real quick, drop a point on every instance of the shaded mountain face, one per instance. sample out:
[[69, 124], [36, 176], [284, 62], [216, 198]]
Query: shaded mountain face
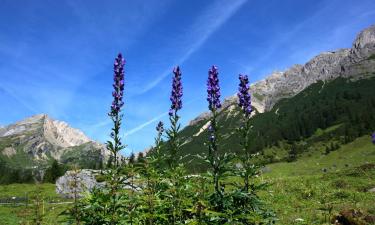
[[332, 88], [39, 139]]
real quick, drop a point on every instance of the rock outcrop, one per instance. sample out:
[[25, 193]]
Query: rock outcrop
[[325, 66], [76, 183]]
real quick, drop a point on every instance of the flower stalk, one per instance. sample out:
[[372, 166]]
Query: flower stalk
[[176, 105], [244, 102], [115, 146], [214, 104]]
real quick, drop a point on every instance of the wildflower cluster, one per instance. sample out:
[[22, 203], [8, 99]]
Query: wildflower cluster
[[156, 189]]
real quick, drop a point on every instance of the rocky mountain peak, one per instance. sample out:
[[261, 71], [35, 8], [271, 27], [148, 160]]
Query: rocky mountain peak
[[33, 119], [57, 132], [325, 66], [40, 138], [364, 44], [366, 38], [61, 134]]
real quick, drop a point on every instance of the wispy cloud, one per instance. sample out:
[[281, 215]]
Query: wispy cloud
[[143, 125], [149, 122], [209, 22], [336, 35], [41, 69]]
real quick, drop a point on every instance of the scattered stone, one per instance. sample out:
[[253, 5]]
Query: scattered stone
[[265, 169], [372, 190], [9, 151]]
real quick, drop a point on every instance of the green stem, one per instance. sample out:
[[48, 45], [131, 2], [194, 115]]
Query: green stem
[[246, 151]]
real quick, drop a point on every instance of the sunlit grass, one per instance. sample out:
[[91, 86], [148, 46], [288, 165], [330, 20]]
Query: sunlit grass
[[302, 193]]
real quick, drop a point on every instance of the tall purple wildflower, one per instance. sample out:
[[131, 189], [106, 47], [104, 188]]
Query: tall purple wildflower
[[213, 89], [215, 159], [172, 132], [244, 98], [373, 138], [176, 93], [118, 85], [160, 127]]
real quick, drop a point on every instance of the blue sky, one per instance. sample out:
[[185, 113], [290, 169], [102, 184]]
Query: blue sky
[[56, 56]]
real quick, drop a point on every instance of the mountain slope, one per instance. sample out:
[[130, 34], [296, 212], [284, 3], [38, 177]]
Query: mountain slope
[[348, 105], [34, 142], [358, 61], [334, 88]]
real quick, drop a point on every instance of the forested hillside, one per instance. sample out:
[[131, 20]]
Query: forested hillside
[[348, 106]]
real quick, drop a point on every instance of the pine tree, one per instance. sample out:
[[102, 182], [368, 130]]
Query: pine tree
[[292, 154], [141, 158], [52, 173], [131, 159]]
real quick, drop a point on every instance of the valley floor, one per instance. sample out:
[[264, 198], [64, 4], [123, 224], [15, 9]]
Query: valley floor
[[310, 190]]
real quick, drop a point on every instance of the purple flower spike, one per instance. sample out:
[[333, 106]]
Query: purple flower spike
[[176, 94], [244, 98], [213, 89], [373, 138], [160, 127], [118, 85]]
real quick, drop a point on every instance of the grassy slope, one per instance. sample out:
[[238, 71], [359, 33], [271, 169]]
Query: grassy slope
[[303, 190]]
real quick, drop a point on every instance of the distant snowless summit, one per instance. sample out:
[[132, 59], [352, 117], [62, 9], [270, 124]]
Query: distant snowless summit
[[58, 132], [40, 138]]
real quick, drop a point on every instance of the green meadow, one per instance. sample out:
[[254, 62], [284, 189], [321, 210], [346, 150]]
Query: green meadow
[[310, 190]]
